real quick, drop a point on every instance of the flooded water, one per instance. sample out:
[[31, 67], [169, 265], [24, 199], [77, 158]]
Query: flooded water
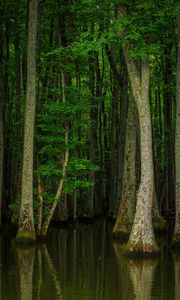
[[84, 263]]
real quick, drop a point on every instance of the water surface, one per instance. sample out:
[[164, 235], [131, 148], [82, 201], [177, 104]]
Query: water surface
[[83, 263]]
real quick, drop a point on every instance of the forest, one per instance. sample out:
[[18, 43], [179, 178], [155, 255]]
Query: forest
[[90, 117]]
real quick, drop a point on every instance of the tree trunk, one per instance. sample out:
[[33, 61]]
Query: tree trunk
[[16, 159], [126, 212], [48, 219], [176, 237], [1, 114], [26, 231], [142, 239], [121, 136], [113, 150]]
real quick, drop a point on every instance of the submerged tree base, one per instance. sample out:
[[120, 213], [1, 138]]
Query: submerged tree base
[[121, 234], [175, 244], [25, 237], [160, 225], [122, 229], [141, 251]]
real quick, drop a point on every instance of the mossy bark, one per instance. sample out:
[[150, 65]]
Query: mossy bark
[[127, 205], [176, 237]]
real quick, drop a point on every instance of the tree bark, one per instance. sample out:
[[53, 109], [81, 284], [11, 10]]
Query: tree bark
[[1, 114], [127, 205], [26, 230], [176, 237], [141, 240]]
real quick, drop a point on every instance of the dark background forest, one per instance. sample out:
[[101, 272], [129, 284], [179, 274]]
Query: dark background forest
[[86, 127]]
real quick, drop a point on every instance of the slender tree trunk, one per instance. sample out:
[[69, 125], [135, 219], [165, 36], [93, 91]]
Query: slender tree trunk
[[16, 159], [58, 195], [26, 230], [89, 213], [63, 208], [1, 114], [127, 205], [168, 132], [176, 237], [121, 137], [113, 151], [98, 191]]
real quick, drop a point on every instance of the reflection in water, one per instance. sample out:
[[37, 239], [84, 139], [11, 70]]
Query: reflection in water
[[141, 273], [26, 266], [26, 260], [0, 267], [52, 271], [124, 276], [83, 263], [176, 258]]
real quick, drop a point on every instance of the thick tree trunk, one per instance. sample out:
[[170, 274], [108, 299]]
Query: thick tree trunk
[[127, 205], [176, 237], [26, 230], [142, 239]]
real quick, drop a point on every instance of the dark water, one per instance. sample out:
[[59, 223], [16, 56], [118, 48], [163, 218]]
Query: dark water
[[84, 264]]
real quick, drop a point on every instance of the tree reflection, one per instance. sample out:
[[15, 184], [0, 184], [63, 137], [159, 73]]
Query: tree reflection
[[0, 267], [26, 266], [35, 264], [138, 275], [52, 271], [142, 275], [125, 280], [176, 257]]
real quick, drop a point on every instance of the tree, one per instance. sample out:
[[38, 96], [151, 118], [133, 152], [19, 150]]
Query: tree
[[26, 230], [1, 113], [141, 238], [176, 237]]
